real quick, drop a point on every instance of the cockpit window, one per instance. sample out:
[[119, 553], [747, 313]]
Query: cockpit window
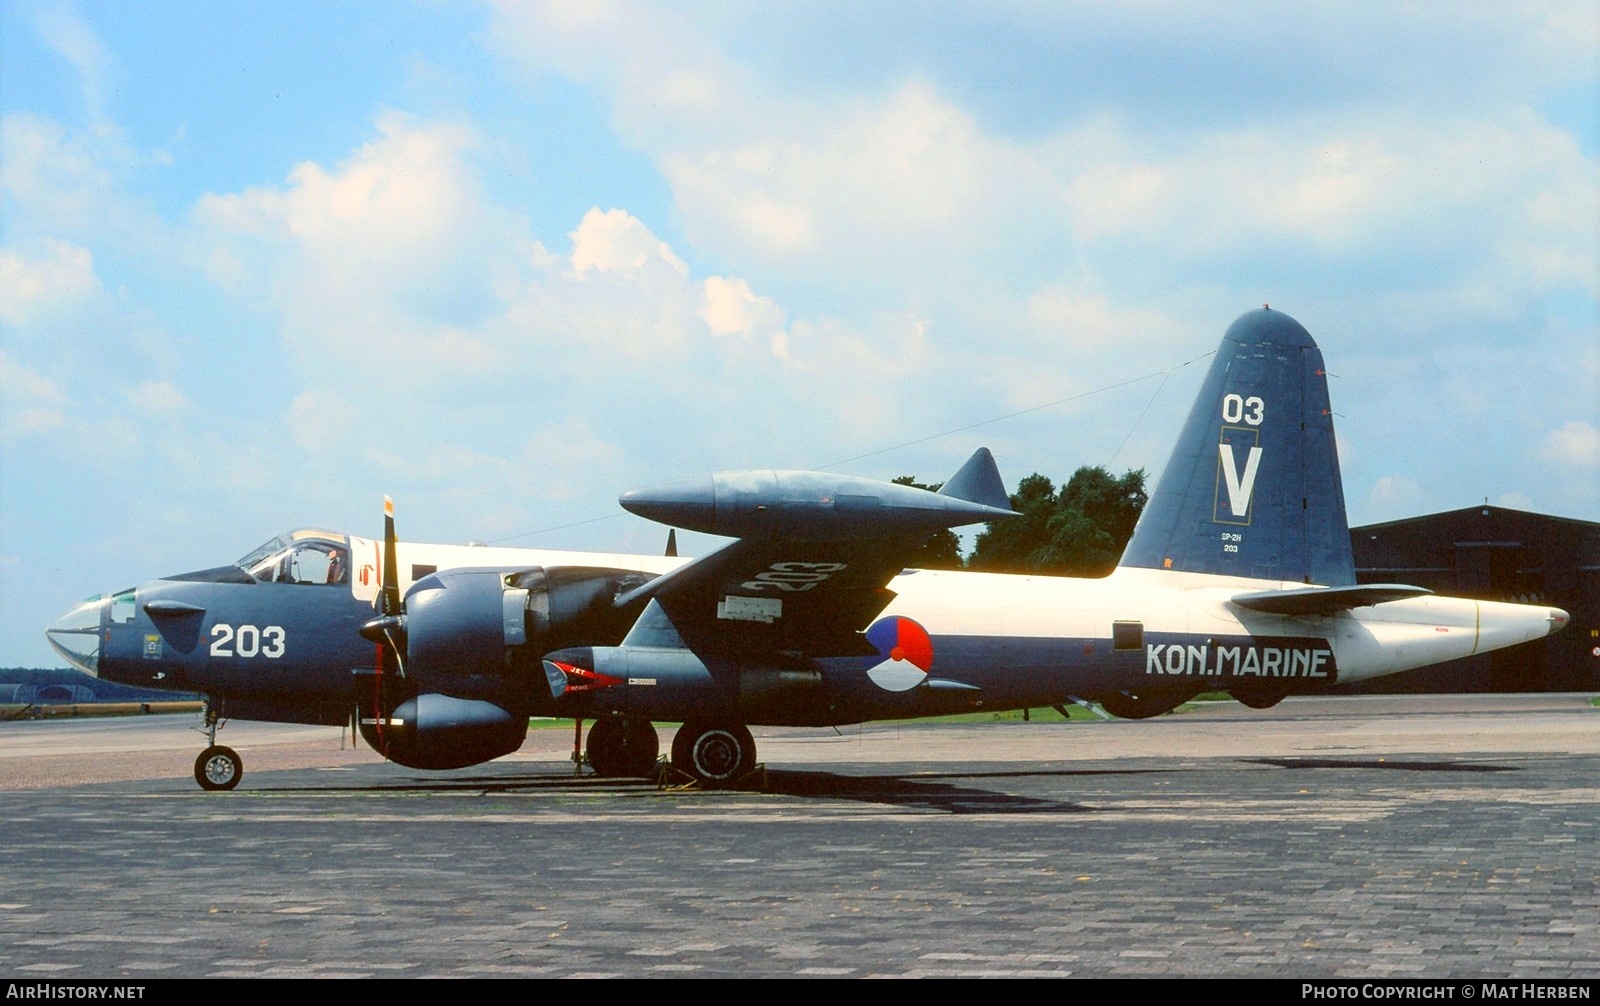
[[300, 557]]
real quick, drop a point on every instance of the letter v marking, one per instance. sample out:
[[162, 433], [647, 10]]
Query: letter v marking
[[1239, 489]]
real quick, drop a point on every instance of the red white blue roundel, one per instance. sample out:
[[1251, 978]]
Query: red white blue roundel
[[906, 651]]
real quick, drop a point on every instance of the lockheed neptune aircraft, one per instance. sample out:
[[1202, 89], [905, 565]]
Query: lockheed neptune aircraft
[[1239, 577]]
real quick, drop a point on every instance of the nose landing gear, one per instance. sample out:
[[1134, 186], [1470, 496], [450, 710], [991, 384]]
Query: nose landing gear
[[218, 767]]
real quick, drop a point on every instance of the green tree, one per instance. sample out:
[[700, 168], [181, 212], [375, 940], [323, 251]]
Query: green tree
[[1010, 546], [943, 549], [1079, 531]]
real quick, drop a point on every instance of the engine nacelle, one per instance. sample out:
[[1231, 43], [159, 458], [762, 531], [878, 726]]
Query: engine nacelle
[[464, 626], [456, 633], [471, 637]]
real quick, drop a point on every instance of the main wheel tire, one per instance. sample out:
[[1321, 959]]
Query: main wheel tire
[[618, 748], [714, 753], [218, 768]]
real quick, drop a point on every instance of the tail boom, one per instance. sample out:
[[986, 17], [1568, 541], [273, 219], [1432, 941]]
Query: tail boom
[[1406, 634]]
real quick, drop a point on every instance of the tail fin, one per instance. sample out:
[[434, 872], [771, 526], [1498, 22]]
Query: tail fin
[[978, 481], [1253, 487]]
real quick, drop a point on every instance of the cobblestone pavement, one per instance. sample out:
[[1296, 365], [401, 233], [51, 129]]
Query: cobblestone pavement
[[1349, 863]]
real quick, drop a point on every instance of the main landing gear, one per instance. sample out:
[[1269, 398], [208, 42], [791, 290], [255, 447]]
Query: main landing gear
[[621, 747], [717, 754], [218, 767], [713, 753]]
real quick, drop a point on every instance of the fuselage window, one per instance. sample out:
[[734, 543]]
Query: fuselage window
[[319, 562], [1127, 635], [301, 562]]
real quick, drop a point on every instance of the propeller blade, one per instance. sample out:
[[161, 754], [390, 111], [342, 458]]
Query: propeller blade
[[390, 623], [389, 687], [391, 574]]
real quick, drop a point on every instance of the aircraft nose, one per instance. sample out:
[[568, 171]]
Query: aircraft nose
[[1558, 619], [75, 634]]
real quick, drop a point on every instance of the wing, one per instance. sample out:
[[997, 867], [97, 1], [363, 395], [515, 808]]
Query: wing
[[803, 599], [813, 563]]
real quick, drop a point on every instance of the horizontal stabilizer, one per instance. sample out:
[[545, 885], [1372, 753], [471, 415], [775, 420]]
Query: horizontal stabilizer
[[1325, 600], [978, 481]]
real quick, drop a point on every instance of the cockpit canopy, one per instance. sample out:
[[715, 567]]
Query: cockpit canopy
[[306, 555]]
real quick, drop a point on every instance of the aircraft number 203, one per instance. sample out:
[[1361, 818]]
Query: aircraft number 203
[[248, 641], [793, 576]]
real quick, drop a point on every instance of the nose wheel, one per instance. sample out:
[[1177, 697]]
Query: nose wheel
[[218, 767]]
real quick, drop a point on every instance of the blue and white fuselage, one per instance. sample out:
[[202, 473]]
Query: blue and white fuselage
[[1239, 577]]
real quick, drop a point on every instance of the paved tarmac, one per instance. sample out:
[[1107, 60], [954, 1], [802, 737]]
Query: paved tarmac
[[1363, 838]]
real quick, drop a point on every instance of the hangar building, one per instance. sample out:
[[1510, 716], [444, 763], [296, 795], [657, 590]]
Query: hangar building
[[1496, 554]]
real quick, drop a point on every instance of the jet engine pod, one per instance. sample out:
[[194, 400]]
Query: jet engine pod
[[434, 731], [642, 682], [802, 506]]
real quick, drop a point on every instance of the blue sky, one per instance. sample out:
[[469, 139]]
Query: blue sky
[[262, 263]]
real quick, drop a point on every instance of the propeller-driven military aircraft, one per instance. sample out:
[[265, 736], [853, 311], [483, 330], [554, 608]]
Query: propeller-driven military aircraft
[[1239, 577]]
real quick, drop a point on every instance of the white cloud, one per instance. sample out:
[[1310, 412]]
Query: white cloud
[[1515, 501], [157, 397], [1575, 445], [71, 36], [60, 181], [564, 458], [1088, 320], [388, 211], [615, 241], [666, 76], [323, 421], [1345, 449], [1111, 198], [370, 263], [29, 402], [56, 275], [893, 182], [1392, 492], [1355, 185], [1054, 250], [732, 308]]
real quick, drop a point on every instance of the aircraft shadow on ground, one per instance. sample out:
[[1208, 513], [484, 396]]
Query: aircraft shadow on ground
[[930, 791], [1382, 763], [946, 792]]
